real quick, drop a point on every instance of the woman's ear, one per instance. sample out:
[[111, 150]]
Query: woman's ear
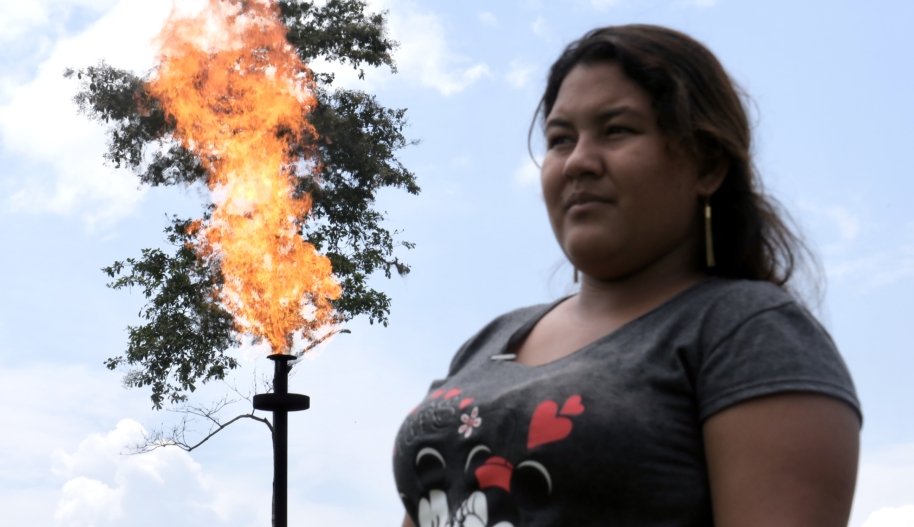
[[713, 176]]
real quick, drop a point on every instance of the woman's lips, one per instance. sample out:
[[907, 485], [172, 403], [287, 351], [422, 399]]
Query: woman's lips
[[585, 206], [582, 202]]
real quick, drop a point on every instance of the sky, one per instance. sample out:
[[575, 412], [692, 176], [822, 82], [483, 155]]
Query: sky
[[833, 117]]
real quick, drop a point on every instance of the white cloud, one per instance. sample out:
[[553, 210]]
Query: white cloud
[[425, 55], [519, 74], [62, 151], [849, 247], [33, 507], [885, 488], [698, 3], [487, 18], [106, 488], [345, 76], [88, 502], [539, 26], [21, 17], [17, 17], [900, 267], [892, 517], [605, 4], [847, 223], [67, 405], [527, 174], [880, 269], [71, 401]]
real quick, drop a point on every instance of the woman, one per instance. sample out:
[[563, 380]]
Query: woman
[[683, 385]]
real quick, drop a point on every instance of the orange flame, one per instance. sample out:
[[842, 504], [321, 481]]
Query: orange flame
[[239, 97]]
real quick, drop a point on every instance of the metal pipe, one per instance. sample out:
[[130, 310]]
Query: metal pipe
[[281, 402], [281, 446]]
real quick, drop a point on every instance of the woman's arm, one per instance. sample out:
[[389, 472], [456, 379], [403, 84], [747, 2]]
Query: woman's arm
[[407, 522], [784, 460]]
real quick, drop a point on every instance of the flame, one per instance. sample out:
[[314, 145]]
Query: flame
[[239, 97]]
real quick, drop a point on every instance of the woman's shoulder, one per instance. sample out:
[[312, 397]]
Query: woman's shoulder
[[755, 339], [724, 303], [715, 309], [743, 295]]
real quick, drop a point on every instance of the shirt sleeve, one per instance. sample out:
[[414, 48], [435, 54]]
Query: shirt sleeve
[[777, 350]]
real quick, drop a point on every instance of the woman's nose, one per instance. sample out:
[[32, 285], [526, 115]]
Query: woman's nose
[[585, 160]]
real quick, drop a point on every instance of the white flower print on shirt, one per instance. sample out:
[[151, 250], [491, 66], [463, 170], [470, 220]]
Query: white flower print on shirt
[[470, 421]]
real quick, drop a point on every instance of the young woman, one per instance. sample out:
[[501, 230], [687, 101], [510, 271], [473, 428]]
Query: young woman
[[683, 385]]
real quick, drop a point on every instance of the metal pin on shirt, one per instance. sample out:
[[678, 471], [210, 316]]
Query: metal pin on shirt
[[504, 356]]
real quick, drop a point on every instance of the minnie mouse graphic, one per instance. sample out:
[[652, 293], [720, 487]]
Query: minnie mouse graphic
[[499, 487]]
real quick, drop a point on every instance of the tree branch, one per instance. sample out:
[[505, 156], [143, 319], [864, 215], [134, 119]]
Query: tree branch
[[317, 342], [177, 434]]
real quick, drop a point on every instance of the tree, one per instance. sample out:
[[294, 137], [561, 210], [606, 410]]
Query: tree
[[187, 335]]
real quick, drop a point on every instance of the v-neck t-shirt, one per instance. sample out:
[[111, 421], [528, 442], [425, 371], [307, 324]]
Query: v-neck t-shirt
[[609, 435]]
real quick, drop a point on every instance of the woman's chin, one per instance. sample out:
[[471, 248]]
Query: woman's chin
[[606, 268], [592, 248]]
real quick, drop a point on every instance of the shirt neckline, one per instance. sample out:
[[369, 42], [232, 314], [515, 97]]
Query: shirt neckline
[[524, 330]]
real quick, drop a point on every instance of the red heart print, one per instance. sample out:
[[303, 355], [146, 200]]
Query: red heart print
[[466, 402], [437, 394], [546, 426], [452, 393], [572, 406]]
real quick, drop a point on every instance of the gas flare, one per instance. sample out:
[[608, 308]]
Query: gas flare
[[239, 96]]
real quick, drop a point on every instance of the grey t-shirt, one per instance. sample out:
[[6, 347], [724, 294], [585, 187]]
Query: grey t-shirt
[[611, 434]]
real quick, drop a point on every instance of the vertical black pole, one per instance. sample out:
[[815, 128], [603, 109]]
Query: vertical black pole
[[281, 447], [281, 402]]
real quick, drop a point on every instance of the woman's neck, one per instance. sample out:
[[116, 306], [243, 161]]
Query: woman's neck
[[632, 295]]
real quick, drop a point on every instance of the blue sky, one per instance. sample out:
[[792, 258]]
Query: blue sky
[[834, 115]]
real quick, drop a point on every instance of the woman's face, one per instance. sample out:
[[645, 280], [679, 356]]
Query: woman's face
[[618, 194]]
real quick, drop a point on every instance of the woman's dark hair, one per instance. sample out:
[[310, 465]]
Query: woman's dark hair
[[700, 108]]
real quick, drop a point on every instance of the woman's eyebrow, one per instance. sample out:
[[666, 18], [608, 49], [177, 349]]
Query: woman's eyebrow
[[612, 113], [607, 115], [558, 123]]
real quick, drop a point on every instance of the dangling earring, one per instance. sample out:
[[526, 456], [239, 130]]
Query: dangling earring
[[709, 236], [575, 275]]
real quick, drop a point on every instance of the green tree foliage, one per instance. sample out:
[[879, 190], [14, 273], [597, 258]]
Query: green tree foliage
[[187, 333]]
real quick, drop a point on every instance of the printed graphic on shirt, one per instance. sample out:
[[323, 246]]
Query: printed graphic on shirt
[[499, 488]]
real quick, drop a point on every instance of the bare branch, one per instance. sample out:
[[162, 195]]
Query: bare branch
[[317, 342], [234, 388], [266, 382], [176, 434], [209, 413]]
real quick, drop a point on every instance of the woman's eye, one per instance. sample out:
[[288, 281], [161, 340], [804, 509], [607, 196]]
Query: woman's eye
[[615, 130], [558, 140]]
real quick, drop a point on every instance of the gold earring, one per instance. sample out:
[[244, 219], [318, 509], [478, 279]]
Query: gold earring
[[709, 236], [575, 275]]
